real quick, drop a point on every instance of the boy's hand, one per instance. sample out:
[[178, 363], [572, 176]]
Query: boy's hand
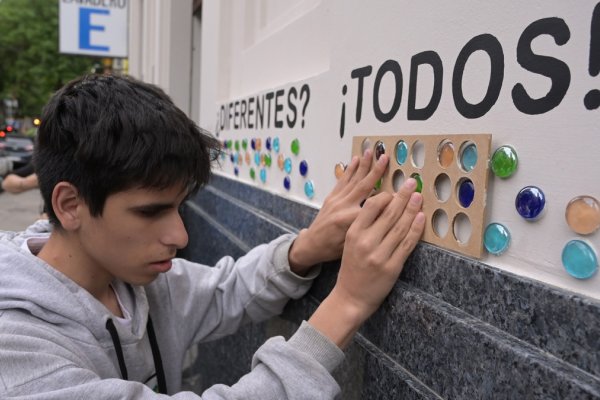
[[324, 238], [377, 244]]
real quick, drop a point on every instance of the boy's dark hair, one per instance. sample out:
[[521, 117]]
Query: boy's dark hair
[[105, 134]]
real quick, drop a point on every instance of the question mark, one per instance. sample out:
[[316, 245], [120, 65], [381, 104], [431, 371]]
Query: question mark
[[305, 89]]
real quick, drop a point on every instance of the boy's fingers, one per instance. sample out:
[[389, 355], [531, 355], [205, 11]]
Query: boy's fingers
[[363, 187], [401, 226], [408, 244], [371, 209], [392, 213]]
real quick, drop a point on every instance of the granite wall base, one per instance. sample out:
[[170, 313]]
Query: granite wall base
[[451, 328]]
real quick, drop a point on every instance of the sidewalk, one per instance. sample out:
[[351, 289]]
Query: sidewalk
[[18, 211]]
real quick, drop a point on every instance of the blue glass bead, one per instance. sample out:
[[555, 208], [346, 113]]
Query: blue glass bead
[[276, 144], [530, 202], [309, 189], [268, 143], [232, 158], [225, 144], [287, 165], [253, 144], [579, 259], [263, 175], [287, 183], [466, 193], [236, 171], [401, 152], [468, 157], [496, 238], [257, 158], [303, 167]]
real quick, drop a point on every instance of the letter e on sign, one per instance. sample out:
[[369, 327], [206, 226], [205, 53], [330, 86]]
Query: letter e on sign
[[96, 28]]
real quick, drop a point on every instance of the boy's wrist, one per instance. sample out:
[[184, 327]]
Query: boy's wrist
[[301, 254], [338, 319]]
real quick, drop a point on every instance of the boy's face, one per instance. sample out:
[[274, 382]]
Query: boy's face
[[137, 234]]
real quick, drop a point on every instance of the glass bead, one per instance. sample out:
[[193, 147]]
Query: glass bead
[[496, 238], [287, 165], [287, 184], [236, 171], [230, 144], [237, 145], [446, 153], [268, 160], [295, 147], [245, 144], [263, 175], [258, 144], [468, 156], [417, 177], [466, 192], [268, 143], [579, 259], [224, 144], [276, 144], [303, 167], [280, 161], [253, 144], [231, 158], [378, 184], [252, 173], [247, 158], [583, 215], [257, 158], [339, 170], [530, 202], [309, 189], [379, 149], [240, 159], [504, 161], [401, 152]]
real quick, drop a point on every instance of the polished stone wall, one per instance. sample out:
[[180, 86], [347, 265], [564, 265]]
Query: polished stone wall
[[451, 328]]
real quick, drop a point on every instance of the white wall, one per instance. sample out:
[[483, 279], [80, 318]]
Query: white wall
[[252, 48]]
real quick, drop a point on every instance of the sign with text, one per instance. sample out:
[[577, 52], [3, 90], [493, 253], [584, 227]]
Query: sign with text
[[94, 27]]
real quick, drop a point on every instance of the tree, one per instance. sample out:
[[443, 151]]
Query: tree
[[31, 68]]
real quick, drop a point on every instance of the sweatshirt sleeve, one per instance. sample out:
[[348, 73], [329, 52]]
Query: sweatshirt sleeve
[[211, 302], [299, 368]]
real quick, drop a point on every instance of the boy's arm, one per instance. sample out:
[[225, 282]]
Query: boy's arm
[[377, 245]]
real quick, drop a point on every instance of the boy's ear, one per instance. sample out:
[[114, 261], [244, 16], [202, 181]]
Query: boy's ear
[[66, 205]]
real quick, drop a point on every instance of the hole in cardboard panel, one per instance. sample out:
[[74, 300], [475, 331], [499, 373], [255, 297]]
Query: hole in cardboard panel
[[397, 179], [443, 187], [418, 154], [366, 144], [440, 223], [461, 227]]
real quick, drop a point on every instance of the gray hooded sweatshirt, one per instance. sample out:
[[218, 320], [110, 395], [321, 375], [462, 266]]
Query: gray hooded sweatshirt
[[58, 342]]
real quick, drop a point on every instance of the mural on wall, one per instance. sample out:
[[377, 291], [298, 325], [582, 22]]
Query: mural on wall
[[294, 140]]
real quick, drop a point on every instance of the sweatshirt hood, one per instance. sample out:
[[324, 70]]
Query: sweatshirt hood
[[30, 285]]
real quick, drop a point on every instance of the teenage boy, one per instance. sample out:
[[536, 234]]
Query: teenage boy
[[99, 308]]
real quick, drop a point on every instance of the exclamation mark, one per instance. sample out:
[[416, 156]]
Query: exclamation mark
[[343, 118], [592, 98]]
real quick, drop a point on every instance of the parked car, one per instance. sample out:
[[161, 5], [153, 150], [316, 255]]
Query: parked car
[[18, 149]]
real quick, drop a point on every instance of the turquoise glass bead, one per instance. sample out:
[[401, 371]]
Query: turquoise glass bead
[[263, 175], [468, 157], [496, 238], [276, 144], [287, 165], [401, 152], [579, 259], [309, 189]]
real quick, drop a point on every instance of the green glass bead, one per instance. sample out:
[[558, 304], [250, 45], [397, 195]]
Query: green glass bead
[[268, 159], [252, 173], [417, 177], [504, 161], [245, 144], [295, 146], [237, 145]]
